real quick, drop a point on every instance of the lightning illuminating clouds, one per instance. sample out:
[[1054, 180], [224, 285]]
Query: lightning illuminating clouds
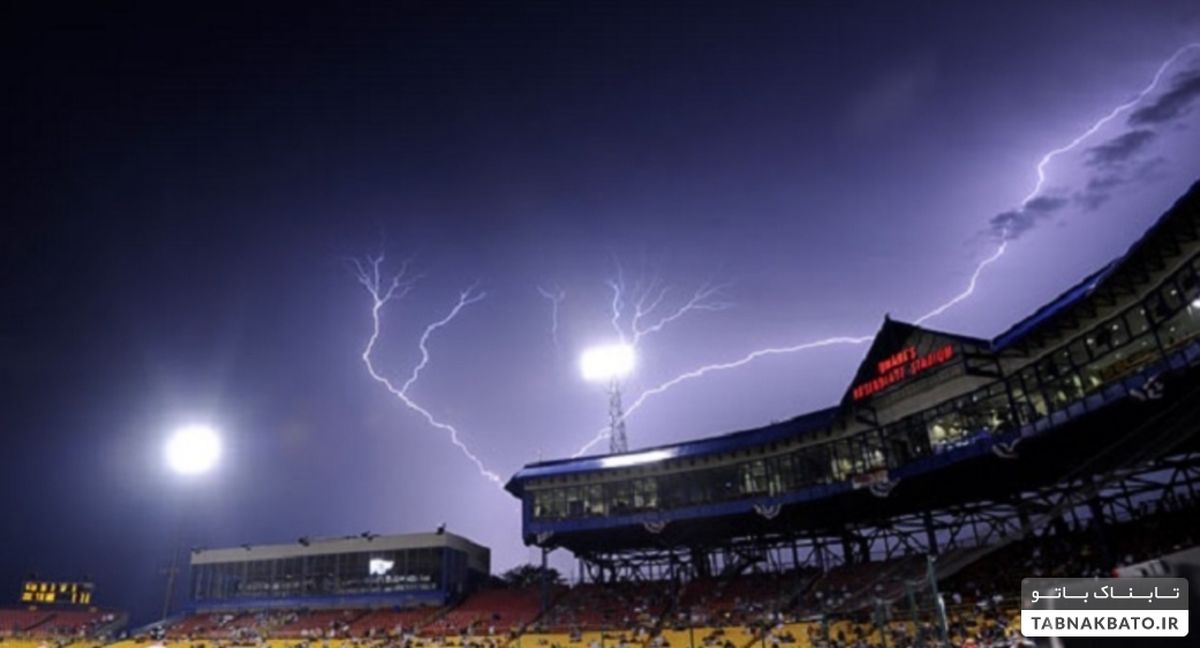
[[1013, 223], [1006, 227]]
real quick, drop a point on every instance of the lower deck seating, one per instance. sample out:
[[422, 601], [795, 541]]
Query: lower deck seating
[[17, 620], [384, 621], [490, 611]]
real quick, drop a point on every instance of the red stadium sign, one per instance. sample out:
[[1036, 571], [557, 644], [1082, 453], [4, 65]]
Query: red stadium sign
[[900, 366]]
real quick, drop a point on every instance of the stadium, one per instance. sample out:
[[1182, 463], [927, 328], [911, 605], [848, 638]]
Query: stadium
[[906, 514]]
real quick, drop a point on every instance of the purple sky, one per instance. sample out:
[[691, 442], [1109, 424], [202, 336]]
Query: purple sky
[[183, 189]]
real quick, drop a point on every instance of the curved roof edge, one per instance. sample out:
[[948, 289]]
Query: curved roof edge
[[1094, 281], [821, 418], [708, 445]]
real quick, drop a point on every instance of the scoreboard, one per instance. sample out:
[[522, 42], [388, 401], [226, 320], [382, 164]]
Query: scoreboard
[[57, 593]]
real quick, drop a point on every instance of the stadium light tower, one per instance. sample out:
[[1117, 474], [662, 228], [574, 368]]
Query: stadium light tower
[[190, 451], [610, 364]]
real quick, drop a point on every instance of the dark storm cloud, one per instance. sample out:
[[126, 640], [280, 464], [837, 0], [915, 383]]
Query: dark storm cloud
[[1012, 224], [1116, 164], [1119, 149], [1045, 204], [1099, 189], [1104, 183], [1172, 104], [1115, 161]]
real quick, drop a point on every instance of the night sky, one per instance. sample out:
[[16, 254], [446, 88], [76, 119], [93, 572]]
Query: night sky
[[184, 183]]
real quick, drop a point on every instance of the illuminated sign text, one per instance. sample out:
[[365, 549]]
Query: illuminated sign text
[[899, 366]]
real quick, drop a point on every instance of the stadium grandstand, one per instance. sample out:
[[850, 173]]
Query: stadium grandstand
[[59, 613], [398, 570], [905, 515]]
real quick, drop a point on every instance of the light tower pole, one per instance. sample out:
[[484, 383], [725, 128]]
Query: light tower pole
[[609, 364], [191, 451], [617, 441]]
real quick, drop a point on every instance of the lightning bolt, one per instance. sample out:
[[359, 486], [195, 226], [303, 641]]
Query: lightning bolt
[[382, 291], [1041, 173], [648, 298], [970, 289], [953, 301], [648, 318], [1113, 114], [555, 297], [720, 366]]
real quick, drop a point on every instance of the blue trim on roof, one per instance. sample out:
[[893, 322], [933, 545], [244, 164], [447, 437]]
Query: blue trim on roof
[[703, 511], [1091, 282], [789, 429], [979, 444], [1059, 304]]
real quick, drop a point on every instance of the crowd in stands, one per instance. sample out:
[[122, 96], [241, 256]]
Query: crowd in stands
[[743, 600], [595, 606], [489, 612], [850, 606]]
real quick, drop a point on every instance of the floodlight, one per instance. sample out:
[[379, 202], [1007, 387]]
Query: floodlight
[[193, 449], [607, 362]]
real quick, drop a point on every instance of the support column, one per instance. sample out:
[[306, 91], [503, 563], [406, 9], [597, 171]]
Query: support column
[[545, 593], [931, 540], [848, 548]]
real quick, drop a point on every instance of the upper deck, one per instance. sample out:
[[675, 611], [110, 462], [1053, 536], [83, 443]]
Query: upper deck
[[921, 402]]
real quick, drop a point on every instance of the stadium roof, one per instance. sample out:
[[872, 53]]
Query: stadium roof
[[1104, 278], [1056, 306], [788, 429], [1097, 280], [341, 545], [891, 336]]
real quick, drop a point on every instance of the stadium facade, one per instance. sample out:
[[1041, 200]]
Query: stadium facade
[[942, 441], [366, 570]]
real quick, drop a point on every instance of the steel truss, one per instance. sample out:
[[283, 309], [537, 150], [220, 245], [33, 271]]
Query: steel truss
[[1105, 499]]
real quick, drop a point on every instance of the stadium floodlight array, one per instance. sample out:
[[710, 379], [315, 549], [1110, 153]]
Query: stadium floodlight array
[[611, 363], [193, 449], [606, 363]]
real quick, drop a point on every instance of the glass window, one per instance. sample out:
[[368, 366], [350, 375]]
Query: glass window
[[1188, 284], [1180, 328], [813, 464], [594, 494], [947, 431], [1137, 321], [1027, 392], [783, 473], [575, 505], [1062, 358], [840, 462], [1066, 389], [1098, 341], [1048, 368], [754, 478], [645, 494], [1172, 300], [620, 496], [1119, 334], [1079, 352]]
